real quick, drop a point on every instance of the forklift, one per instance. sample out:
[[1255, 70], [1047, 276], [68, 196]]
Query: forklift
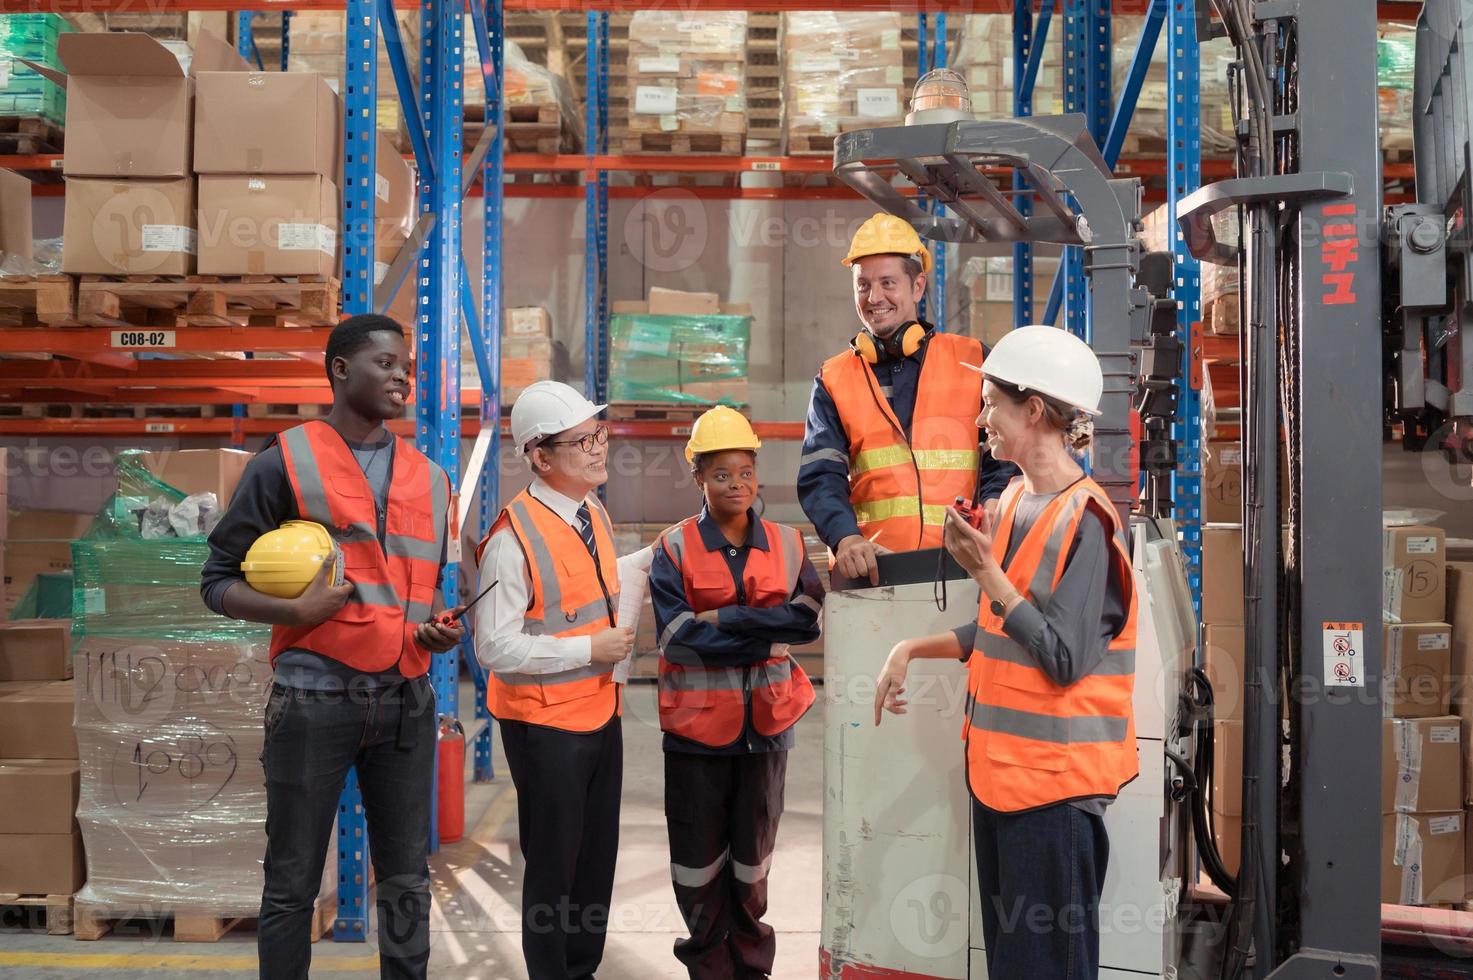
[[1354, 325]]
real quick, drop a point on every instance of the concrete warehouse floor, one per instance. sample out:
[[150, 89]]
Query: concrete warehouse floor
[[475, 920]]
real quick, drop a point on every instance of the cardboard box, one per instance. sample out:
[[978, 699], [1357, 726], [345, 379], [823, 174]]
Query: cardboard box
[[15, 214], [673, 302], [64, 524], [36, 723], [1227, 767], [42, 864], [1459, 578], [266, 123], [24, 560], [631, 307], [1413, 584], [35, 650], [1422, 858], [1421, 765], [395, 188], [38, 796], [129, 227], [275, 226], [199, 470], [1417, 659], [401, 308], [528, 321], [130, 103], [1227, 831], [1222, 661], [1222, 574], [1222, 482]]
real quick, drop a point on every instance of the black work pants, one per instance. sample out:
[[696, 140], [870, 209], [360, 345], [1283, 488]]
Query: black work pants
[[568, 789], [722, 812], [312, 739]]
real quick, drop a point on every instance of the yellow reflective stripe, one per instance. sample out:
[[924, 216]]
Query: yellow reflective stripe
[[933, 514], [947, 459], [883, 510], [878, 459]]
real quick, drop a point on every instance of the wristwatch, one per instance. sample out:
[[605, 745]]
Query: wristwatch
[[999, 607]]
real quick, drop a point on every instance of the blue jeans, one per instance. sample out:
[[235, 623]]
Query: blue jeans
[[1041, 873], [312, 739]]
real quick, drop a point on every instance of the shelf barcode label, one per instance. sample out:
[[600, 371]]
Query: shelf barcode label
[[158, 427], [766, 165], [149, 339]]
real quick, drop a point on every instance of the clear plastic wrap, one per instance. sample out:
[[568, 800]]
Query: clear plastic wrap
[[1149, 121], [984, 57], [526, 84], [1396, 59], [168, 718], [687, 72], [841, 71], [698, 360]]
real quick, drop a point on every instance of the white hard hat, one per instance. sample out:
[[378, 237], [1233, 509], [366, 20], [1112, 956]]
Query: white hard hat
[[1048, 361], [547, 408]]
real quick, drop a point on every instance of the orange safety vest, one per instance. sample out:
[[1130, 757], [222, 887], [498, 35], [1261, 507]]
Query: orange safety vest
[[1029, 742], [393, 583], [709, 704], [901, 488], [572, 595]]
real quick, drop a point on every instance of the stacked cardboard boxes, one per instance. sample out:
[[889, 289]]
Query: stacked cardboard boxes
[[989, 282], [985, 59], [841, 71], [130, 200], [528, 352], [317, 47], [39, 542], [40, 843], [681, 348], [1458, 586], [267, 151], [687, 74]]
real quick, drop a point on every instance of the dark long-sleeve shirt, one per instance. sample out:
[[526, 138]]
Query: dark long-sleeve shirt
[[744, 634], [1070, 634], [263, 501], [823, 470]]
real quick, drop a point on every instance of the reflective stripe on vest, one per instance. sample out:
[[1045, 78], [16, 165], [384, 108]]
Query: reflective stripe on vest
[[393, 582], [1029, 742], [709, 705], [567, 600], [900, 488]]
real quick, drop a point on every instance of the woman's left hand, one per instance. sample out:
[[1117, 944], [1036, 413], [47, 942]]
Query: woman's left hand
[[972, 548], [712, 616]]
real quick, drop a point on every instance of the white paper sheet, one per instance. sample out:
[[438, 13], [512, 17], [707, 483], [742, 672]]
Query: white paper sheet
[[634, 586]]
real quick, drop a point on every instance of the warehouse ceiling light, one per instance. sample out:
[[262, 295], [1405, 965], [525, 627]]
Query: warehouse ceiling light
[[940, 96]]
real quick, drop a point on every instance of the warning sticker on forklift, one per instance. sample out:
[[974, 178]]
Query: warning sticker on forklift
[[1344, 654]]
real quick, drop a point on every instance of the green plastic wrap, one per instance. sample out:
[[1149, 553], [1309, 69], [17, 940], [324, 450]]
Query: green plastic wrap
[[696, 360], [22, 91], [49, 596]]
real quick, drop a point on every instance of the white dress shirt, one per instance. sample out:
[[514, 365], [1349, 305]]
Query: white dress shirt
[[502, 643]]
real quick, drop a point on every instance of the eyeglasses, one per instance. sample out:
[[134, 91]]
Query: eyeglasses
[[599, 436]]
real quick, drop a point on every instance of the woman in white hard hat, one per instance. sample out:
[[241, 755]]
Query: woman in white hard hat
[[730, 591], [548, 633], [1049, 729]]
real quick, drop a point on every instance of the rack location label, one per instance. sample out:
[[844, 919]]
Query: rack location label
[[1345, 654]]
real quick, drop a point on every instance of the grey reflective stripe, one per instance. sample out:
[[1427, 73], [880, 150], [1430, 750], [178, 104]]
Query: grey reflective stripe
[[696, 877], [537, 550], [674, 627], [1116, 663], [558, 677], [375, 594], [555, 622], [701, 679], [824, 456], [309, 477], [357, 532], [808, 602], [403, 546], [1042, 585], [792, 557], [776, 673], [417, 612], [1074, 729], [750, 874], [439, 504]]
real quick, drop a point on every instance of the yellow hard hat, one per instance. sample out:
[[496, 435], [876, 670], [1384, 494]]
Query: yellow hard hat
[[720, 429], [885, 234], [283, 562]]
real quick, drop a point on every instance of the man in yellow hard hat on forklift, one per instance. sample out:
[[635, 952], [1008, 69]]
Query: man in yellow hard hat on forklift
[[350, 649], [891, 437]]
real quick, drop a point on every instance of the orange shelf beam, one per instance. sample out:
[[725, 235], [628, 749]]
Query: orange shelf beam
[[80, 341]]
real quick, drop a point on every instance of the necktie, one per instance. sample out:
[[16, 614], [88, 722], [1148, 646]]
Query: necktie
[[585, 530]]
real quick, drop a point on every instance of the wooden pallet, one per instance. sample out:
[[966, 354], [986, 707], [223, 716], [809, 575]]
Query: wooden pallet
[[208, 301], [28, 301], [724, 144], [58, 909], [29, 135], [265, 410], [92, 922], [532, 128], [810, 145]]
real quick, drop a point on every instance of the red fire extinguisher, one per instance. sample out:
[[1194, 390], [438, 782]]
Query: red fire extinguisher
[[451, 785]]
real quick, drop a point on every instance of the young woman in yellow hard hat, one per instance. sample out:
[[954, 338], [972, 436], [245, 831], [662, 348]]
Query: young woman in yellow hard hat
[[349, 658], [891, 436], [730, 591], [1050, 730]]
